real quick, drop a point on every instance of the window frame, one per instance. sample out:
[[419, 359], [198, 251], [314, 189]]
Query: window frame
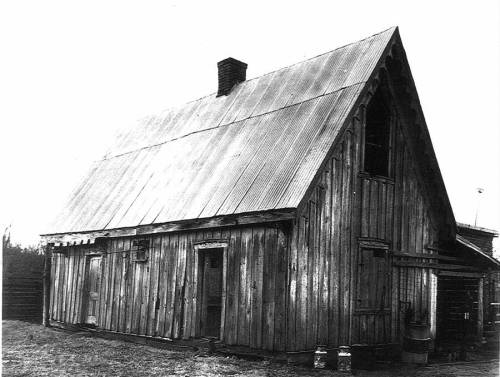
[[391, 115]]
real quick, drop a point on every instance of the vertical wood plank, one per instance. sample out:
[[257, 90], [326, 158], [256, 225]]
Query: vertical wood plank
[[117, 266], [136, 313], [53, 287], [250, 264], [224, 235], [242, 337], [78, 288], [345, 234], [71, 286], [153, 284], [374, 188], [71, 279], [180, 285], [395, 303], [62, 296], [280, 319], [323, 283], [433, 303], [162, 285], [390, 212], [196, 270], [130, 292], [292, 287], [253, 277], [480, 308], [335, 299], [145, 290], [381, 215], [110, 281], [122, 320], [404, 205], [310, 293], [301, 303], [172, 273], [233, 287], [365, 208], [269, 288], [358, 125], [398, 178], [188, 293]]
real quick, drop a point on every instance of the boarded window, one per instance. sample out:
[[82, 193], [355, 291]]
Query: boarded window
[[377, 137], [140, 250], [373, 279]]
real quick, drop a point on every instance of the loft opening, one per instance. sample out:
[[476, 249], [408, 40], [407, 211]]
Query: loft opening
[[377, 136]]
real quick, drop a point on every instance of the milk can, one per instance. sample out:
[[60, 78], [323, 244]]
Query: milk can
[[344, 359], [320, 357]]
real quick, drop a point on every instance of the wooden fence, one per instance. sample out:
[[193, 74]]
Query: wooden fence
[[22, 284]]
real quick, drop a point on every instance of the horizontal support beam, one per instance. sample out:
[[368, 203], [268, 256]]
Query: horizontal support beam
[[437, 266], [427, 256], [461, 274], [78, 238]]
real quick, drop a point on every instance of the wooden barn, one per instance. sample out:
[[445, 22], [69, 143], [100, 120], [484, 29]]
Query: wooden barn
[[304, 207]]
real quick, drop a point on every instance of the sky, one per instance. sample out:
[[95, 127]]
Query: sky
[[73, 73]]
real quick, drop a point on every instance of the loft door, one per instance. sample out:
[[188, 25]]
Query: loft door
[[93, 284], [211, 262]]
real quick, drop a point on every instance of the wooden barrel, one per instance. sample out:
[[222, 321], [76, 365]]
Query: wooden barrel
[[416, 343]]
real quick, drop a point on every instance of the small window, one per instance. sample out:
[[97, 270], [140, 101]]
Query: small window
[[140, 250], [377, 137]]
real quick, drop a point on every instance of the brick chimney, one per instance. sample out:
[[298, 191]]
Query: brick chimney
[[231, 72]]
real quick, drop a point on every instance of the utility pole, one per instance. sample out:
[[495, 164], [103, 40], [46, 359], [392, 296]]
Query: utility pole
[[479, 192]]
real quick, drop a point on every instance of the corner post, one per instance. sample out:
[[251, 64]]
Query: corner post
[[480, 309], [46, 284]]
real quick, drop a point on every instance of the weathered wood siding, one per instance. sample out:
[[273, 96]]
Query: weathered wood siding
[[320, 256], [345, 208], [160, 297]]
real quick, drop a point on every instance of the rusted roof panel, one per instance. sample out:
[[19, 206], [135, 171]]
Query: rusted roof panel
[[256, 149]]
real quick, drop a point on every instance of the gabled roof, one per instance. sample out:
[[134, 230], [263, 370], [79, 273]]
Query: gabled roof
[[256, 149], [491, 232]]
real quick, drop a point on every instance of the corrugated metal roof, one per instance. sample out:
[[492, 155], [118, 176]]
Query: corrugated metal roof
[[256, 149]]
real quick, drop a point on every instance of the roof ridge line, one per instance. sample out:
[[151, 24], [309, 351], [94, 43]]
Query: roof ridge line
[[229, 124], [285, 67]]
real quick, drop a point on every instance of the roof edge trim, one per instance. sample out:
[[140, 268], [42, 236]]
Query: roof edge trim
[[89, 237], [493, 232]]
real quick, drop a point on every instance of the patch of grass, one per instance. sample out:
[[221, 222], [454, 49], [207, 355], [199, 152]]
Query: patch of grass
[[32, 350]]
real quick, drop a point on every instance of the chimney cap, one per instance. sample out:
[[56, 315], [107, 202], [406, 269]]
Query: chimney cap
[[232, 61]]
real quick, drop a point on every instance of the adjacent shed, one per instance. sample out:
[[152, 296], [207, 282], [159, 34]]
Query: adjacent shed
[[299, 208]]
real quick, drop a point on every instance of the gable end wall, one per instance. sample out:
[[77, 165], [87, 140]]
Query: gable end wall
[[347, 207]]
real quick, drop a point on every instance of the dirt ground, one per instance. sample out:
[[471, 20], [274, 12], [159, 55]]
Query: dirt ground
[[32, 350]]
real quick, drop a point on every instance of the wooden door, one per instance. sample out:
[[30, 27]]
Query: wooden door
[[93, 284], [211, 290], [457, 308], [372, 315]]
